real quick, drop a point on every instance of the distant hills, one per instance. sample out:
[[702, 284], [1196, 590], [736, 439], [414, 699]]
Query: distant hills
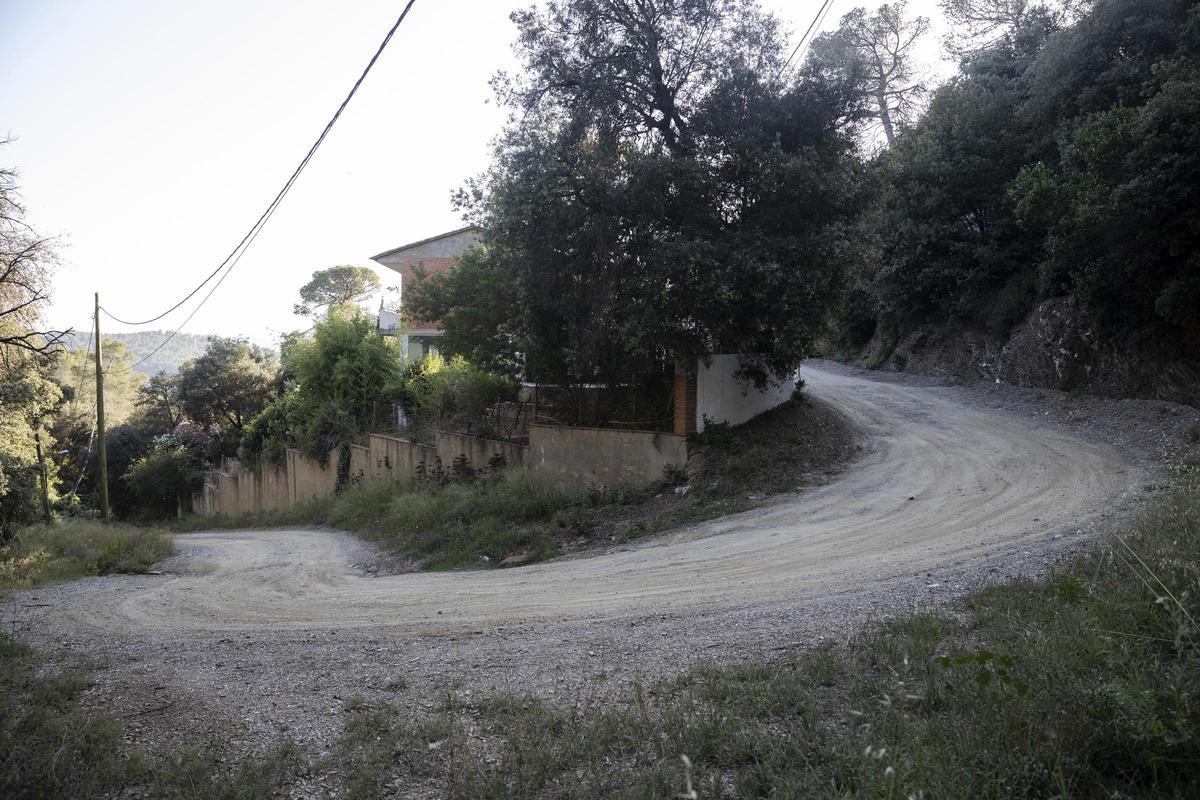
[[181, 348]]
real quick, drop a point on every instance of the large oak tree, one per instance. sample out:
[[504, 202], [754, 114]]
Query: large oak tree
[[660, 192]]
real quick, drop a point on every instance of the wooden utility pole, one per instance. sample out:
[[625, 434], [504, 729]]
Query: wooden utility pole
[[101, 456]]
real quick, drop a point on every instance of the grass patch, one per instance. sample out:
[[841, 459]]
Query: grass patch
[[76, 548], [1084, 684], [511, 516], [51, 747], [477, 523], [731, 469]]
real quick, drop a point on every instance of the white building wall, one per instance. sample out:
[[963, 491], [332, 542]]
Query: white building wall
[[389, 322], [720, 397]]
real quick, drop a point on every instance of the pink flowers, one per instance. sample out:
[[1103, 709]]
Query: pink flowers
[[196, 437]]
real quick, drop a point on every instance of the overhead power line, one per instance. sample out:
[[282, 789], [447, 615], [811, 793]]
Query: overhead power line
[[820, 16], [187, 319], [87, 353], [234, 255]]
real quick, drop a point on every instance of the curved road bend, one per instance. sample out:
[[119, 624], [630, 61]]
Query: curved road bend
[[941, 482]]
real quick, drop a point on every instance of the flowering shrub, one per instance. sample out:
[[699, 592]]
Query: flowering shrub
[[165, 477], [204, 441]]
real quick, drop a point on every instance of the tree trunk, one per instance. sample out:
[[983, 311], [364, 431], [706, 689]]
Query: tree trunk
[[885, 117]]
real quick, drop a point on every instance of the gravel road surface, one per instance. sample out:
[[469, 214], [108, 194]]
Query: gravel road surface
[[254, 634], [942, 481]]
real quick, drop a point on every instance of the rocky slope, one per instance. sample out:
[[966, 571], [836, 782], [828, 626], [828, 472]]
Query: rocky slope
[[1055, 347]]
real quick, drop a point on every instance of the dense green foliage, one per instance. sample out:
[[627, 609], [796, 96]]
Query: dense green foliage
[[1061, 160], [452, 395], [159, 403], [75, 371], [148, 419], [227, 386], [28, 398], [163, 480], [476, 301], [686, 201], [73, 424], [126, 444], [28, 393], [338, 383]]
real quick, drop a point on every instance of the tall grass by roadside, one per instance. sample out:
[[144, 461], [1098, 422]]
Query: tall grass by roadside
[[79, 547], [480, 523], [308, 512], [510, 517], [1084, 684]]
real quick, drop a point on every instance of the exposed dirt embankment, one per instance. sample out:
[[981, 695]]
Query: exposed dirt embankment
[[802, 443], [1055, 347]]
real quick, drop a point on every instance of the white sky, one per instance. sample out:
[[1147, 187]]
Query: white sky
[[150, 135]]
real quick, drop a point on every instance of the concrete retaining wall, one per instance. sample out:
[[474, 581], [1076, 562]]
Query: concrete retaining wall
[[576, 457], [237, 489], [721, 397], [206, 501], [479, 452], [360, 463], [396, 459], [308, 479], [580, 457]]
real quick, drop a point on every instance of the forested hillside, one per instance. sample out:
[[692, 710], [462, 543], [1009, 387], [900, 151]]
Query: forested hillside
[[1040, 222], [181, 348]]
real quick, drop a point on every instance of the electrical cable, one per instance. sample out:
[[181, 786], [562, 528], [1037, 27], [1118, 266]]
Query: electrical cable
[[87, 349], [187, 319], [803, 39], [821, 21], [266, 215]]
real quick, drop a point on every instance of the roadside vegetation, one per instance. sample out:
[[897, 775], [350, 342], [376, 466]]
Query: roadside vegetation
[[1083, 684], [1061, 161], [502, 518], [76, 548], [51, 746]]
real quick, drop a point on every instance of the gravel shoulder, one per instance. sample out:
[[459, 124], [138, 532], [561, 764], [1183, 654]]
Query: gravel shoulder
[[250, 636]]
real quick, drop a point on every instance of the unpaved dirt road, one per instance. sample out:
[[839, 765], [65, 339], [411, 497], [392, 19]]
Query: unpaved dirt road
[[255, 635], [940, 482]]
